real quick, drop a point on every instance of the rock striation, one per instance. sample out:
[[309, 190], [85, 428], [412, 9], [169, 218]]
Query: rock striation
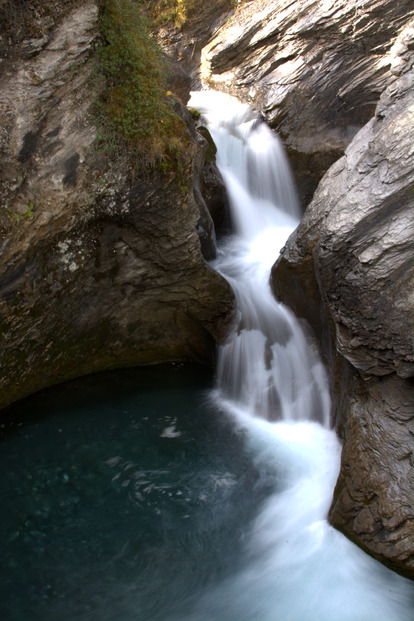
[[315, 69], [101, 263], [349, 270]]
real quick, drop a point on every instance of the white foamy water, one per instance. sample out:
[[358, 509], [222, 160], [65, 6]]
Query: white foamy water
[[271, 381]]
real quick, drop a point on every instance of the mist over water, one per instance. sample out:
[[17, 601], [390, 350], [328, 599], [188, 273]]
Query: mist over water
[[271, 381]]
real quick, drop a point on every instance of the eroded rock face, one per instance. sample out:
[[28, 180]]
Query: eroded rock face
[[374, 496], [315, 69], [349, 270], [101, 265]]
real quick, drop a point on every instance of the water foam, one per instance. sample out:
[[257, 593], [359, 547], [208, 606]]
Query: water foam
[[271, 381]]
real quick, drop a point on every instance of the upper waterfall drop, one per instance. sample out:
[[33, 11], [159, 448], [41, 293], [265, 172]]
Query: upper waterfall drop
[[267, 365], [253, 163]]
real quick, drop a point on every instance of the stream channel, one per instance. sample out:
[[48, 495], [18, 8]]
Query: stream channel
[[167, 494]]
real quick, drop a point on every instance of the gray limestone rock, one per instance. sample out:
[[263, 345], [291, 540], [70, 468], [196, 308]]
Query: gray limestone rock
[[349, 270], [101, 264], [315, 69]]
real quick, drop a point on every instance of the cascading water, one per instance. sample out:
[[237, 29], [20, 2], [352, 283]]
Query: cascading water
[[267, 365], [149, 495], [298, 567]]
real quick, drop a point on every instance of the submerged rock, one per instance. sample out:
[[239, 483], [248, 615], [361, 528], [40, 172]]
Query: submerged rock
[[349, 270], [101, 263]]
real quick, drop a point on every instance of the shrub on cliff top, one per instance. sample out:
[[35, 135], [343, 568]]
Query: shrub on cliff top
[[134, 107]]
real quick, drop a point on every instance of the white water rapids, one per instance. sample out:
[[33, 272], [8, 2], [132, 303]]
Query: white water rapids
[[272, 383]]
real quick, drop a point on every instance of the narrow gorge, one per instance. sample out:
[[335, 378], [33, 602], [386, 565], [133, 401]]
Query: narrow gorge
[[117, 254]]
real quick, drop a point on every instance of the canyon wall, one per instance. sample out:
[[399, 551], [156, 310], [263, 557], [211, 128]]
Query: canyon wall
[[102, 260], [315, 69], [103, 263]]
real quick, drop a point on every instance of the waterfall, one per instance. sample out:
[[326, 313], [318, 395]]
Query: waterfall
[[271, 381], [267, 365]]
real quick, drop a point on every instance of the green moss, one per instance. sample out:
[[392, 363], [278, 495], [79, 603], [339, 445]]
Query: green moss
[[20, 217], [211, 150], [134, 109]]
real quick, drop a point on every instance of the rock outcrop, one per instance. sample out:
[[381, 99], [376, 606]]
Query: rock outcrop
[[349, 270], [315, 69], [101, 263]]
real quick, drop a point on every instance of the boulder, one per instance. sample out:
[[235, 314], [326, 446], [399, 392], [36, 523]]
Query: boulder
[[349, 270]]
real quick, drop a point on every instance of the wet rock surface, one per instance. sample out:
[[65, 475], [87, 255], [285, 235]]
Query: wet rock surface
[[101, 263], [351, 258]]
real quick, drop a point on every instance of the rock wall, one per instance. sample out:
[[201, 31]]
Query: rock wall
[[101, 263], [349, 270], [315, 69]]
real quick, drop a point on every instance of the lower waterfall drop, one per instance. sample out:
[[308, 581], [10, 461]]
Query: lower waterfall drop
[[272, 383]]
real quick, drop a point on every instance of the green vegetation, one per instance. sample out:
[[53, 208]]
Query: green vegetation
[[195, 113], [20, 217], [174, 12], [135, 110], [178, 12]]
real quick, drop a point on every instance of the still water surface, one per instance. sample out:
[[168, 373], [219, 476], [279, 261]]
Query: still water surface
[[124, 497]]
